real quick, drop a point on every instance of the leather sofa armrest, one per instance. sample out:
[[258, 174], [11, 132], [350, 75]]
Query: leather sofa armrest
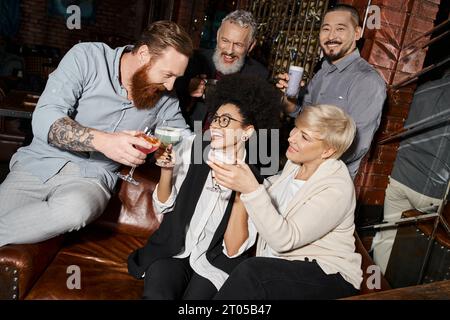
[[22, 264], [426, 226]]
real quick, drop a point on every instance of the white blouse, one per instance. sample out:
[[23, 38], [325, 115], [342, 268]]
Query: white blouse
[[281, 197]]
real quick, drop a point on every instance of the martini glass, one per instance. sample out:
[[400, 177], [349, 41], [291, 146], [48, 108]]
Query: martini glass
[[151, 139]]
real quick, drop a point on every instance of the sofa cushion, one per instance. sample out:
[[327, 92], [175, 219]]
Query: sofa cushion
[[101, 256]]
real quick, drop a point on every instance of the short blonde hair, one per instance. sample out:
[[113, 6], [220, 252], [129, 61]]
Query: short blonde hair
[[333, 126]]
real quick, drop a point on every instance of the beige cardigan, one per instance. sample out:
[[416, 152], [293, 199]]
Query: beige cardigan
[[318, 223]]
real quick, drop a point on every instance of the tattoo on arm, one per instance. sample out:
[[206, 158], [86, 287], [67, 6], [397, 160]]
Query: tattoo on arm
[[67, 134]]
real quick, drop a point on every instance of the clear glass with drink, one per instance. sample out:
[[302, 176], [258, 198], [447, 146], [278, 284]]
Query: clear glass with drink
[[220, 155], [151, 139]]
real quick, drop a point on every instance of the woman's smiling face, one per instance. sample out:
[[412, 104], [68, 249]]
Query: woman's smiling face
[[304, 145], [227, 127]]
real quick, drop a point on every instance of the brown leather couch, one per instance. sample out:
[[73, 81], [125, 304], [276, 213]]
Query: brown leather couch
[[43, 270]]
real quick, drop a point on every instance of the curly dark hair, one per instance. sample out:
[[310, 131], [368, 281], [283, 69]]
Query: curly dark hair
[[258, 102]]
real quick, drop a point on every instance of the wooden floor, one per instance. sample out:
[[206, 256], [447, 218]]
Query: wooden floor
[[432, 291]]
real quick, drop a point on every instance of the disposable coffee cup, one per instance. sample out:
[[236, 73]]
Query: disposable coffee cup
[[295, 76]]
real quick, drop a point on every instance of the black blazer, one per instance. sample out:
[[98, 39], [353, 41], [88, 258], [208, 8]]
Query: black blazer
[[169, 239]]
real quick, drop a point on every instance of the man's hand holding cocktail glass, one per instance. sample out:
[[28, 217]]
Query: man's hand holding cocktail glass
[[197, 86], [126, 147], [143, 143]]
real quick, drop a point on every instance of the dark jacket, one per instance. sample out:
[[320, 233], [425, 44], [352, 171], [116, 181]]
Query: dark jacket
[[202, 63], [169, 239]]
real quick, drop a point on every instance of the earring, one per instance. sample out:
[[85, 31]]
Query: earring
[[244, 137]]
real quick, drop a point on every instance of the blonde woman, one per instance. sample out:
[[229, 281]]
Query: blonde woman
[[304, 216]]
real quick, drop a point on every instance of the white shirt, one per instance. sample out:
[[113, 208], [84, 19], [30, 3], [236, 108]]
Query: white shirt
[[207, 216], [281, 198]]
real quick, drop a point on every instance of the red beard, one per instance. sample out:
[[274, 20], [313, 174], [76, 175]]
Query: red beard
[[144, 93]]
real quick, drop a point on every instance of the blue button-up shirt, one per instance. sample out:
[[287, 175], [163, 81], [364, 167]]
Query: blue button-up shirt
[[86, 87], [355, 86]]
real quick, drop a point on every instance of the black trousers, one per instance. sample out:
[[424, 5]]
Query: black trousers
[[174, 279], [261, 278]]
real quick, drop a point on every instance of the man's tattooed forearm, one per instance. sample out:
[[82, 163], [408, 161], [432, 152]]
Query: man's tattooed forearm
[[67, 134]]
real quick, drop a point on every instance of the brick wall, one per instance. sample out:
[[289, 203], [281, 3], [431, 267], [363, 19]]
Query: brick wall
[[183, 13], [402, 21], [191, 18], [190, 14], [113, 18]]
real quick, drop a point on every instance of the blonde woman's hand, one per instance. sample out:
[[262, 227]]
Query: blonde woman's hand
[[238, 177]]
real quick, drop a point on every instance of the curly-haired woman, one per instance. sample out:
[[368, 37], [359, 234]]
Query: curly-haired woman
[[191, 254]]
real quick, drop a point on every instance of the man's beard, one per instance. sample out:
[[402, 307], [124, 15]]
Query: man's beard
[[226, 68], [144, 93], [333, 56]]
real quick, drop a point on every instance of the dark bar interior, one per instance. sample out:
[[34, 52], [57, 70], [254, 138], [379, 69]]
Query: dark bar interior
[[404, 42]]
